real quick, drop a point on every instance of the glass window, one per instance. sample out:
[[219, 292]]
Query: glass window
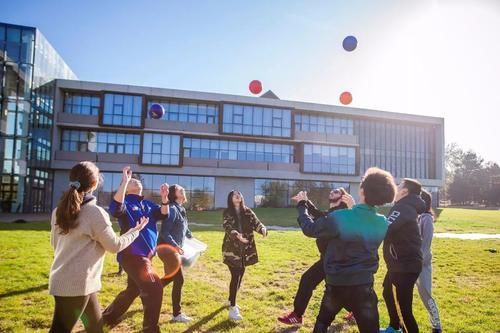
[[329, 159], [199, 190], [256, 120], [100, 142], [277, 193], [188, 112], [122, 110], [161, 149], [81, 104], [323, 124], [237, 150]]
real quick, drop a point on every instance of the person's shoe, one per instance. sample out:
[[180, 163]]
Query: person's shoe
[[349, 317], [390, 330], [181, 318], [437, 330], [290, 319], [234, 313]]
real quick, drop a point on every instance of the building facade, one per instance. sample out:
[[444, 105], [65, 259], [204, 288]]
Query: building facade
[[212, 143], [27, 63]]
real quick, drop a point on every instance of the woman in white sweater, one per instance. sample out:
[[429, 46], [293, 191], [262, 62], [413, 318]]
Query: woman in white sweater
[[80, 234]]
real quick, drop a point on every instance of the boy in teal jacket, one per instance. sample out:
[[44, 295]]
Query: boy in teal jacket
[[351, 258]]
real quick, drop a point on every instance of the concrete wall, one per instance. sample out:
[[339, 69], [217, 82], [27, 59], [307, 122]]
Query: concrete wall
[[224, 185]]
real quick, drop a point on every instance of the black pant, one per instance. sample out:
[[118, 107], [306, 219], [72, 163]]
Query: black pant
[[69, 309], [236, 277], [398, 296], [178, 280], [308, 282], [361, 300], [141, 281]]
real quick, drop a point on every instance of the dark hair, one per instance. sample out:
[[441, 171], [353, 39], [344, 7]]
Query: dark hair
[[427, 197], [230, 206], [413, 186], [341, 205], [172, 197], [83, 177], [378, 187]]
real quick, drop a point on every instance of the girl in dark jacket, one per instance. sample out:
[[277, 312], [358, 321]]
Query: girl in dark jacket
[[238, 247]]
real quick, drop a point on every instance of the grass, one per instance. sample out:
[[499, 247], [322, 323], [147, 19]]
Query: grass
[[466, 280]]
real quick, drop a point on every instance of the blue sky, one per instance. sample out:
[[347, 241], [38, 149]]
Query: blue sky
[[431, 57]]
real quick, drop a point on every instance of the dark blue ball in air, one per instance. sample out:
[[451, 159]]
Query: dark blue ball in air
[[350, 43], [156, 111]]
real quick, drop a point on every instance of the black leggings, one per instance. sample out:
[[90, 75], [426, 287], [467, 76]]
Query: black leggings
[[69, 309], [236, 277], [398, 296]]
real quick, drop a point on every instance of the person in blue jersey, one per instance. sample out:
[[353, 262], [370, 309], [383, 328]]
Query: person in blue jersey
[[128, 206], [351, 258]]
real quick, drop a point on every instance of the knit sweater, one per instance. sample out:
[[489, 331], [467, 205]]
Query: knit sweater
[[79, 254]]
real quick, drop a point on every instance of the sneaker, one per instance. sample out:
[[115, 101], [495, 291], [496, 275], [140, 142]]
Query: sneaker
[[349, 317], [290, 319], [234, 313], [390, 330], [182, 318]]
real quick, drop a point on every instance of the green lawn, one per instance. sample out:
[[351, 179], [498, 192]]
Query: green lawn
[[466, 279]]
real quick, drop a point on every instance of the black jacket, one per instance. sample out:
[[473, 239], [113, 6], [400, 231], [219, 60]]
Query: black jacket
[[321, 243], [402, 243]]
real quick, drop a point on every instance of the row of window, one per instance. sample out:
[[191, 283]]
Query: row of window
[[126, 110], [237, 150], [100, 142], [164, 149], [199, 190], [323, 124], [278, 193], [329, 159], [256, 120], [82, 104], [189, 112]]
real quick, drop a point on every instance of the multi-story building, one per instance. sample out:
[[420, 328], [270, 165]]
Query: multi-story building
[[27, 63], [209, 143], [212, 143]]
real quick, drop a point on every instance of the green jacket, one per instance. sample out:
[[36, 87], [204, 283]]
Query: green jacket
[[351, 257]]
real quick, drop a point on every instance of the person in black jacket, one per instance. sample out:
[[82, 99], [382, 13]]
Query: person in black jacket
[[339, 199], [403, 256]]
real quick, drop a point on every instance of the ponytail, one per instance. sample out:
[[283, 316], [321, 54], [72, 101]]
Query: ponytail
[[68, 210], [83, 177]]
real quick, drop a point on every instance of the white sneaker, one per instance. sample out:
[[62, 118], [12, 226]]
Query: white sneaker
[[234, 313], [182, 318]]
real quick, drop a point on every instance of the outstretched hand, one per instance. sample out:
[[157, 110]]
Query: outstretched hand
[[141, 224], [348, 200]]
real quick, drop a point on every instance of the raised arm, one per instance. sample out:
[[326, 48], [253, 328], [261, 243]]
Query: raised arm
[[323, 227], [166, 228], [117, 207]]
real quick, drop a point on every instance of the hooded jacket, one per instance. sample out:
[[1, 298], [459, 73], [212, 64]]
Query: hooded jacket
[[403, 243]]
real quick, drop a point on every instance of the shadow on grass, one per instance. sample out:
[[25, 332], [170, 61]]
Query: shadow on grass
[[33, 226], [222, 326], [196, 326], [24, 291], [291, 329], [128, 314]]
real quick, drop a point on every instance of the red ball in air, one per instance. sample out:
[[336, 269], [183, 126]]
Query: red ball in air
[[346, 98], [255, 87]]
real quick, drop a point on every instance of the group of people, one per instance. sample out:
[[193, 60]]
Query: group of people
[[348, 238]]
